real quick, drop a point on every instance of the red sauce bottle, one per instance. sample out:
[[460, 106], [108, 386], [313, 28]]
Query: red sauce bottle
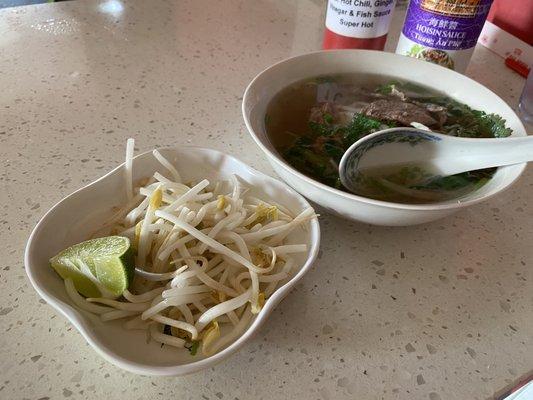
[[357, 24]]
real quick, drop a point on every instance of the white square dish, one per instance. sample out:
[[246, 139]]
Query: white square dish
[[78, 215]]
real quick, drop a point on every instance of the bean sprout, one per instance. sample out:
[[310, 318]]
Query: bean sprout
[[208, 255]]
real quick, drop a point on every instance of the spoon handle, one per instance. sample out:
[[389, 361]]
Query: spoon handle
[[488, 153]]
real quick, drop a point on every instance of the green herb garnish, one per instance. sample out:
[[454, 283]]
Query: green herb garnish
[[463, 121], [318, 151], [360, 126]]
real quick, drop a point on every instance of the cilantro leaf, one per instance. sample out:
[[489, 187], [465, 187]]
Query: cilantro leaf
[[360, 126]]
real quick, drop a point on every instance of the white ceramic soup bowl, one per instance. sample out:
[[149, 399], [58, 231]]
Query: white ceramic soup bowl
[[74, 218], [268, 83]]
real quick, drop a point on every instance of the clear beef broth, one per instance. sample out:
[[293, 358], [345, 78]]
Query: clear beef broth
[[289, 112], [413, 184], [288, 115], [312, 122]]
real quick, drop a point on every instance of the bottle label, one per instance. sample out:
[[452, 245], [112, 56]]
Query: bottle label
[[468, 8], [443, 32], [359, 18], [445, 24], [456, 60]]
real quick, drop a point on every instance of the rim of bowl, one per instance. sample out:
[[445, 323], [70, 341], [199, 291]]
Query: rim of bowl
[[76, 318], [422, 207]]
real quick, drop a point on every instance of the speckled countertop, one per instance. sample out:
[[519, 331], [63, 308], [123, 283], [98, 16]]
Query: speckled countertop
[[439, 311]]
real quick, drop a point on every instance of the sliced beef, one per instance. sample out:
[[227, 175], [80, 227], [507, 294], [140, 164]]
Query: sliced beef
[[400, 112], [437, 112]]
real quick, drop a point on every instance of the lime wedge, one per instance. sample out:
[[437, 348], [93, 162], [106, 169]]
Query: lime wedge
[[102, 267]]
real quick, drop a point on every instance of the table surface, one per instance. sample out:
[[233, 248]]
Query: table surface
[[438, 311]]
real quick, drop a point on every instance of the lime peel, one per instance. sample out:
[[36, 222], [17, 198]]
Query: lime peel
[[101, 267]]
